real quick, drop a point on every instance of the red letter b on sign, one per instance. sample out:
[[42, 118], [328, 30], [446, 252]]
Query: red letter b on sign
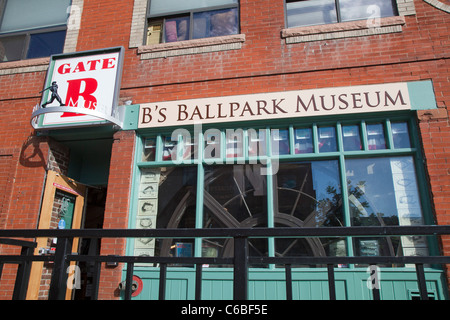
[[74, 92]]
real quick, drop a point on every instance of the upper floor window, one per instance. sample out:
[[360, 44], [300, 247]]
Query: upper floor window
[[172, 20], [32, 29], [317, 12]]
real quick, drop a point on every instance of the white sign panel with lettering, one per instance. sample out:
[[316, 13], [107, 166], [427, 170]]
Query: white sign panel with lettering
[[84, 86], [277, 105]]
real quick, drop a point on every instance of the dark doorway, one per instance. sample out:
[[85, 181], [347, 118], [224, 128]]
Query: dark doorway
[[93, 219]]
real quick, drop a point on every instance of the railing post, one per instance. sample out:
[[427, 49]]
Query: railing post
[[23, 275], [331, 281], [96, 279], [129, 281], [162, 281], [421, 281], [58, 284], [240, 282], [288, 273], [198, 281]]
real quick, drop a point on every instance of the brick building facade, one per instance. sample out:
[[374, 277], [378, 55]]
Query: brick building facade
[[266, 55]]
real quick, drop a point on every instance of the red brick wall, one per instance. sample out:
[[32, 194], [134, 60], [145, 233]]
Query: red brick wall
[[105, 24], [116, 212], [264, 64]]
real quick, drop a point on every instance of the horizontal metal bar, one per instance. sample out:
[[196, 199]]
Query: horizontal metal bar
[[350, 260], [284, 232], [142, 259], [22, 259], [18, 243], [228, 261]]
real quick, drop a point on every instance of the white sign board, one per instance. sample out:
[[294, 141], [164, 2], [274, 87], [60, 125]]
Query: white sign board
[[84, 86], [277, 105]]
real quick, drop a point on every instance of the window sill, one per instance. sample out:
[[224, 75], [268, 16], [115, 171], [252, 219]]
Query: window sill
[[23, 66], [189, 47], [342, 30]]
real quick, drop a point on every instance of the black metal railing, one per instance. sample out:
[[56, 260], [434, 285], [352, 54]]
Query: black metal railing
[[240, 260]]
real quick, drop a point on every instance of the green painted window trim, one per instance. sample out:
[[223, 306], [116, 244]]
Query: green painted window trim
[[386, 118]]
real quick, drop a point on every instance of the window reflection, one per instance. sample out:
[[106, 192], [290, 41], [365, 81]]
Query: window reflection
[[149, 152], [280, 141], [316, 12], [307, 13], [303, 141], [327, 139], [256, 142], [234, 196], [383, 192], [308, 195], [375, 136], [177, 29], [166, 200], [215, 23], [400, 135], [351, 138]]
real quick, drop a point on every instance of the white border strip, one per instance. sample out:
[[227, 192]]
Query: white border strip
[[39, 111]]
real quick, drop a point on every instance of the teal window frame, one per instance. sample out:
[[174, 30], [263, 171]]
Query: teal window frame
[[415, 151]]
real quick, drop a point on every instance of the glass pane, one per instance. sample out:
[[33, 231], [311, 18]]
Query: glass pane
[[234, 193], [400, 135], [25, 14], [154, 32], [11, 48], [149, 149], [375, 136], [216, 23], [177, 29], [235, 196], [308, 195], [169, 149], [303, 141], [384, 191], [351, 138], [280, 141], [166, 200], [190, 149], [327, 139], [365, 9], [158, 7], [256, 142], [46, 44], [311, 12], [235, 141], [213, 143]]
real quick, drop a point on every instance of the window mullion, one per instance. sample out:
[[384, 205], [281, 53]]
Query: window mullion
[[340, 140], [389, 138], [272, 205], [26, 45], [338, 11], [199, 207], [364, 141], [191, 25], [315, 138], [345, 204]]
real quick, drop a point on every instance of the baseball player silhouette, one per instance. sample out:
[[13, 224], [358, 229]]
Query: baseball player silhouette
[[54, 90]]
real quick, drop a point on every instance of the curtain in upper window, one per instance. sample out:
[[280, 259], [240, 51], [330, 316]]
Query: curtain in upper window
[[171, 20]]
